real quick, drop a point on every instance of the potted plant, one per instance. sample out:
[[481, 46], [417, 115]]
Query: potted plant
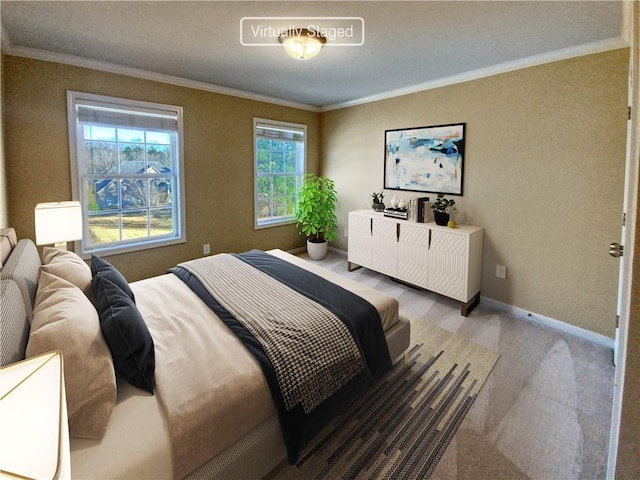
[[378, 204], [316, 214], [441, 209]]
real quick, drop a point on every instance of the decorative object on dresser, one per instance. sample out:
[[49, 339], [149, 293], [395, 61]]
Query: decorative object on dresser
[[417, 209], [441, 208], [316, 214], [443, 260], [452, 223], [377, 203], [398, 209], [401, 213], [425, 159]]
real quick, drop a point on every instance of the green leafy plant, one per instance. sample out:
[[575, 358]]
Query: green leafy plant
[[442, 204], [316, 208], [377, 196]]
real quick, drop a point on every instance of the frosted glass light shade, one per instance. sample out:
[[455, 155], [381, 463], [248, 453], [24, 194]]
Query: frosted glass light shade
[[302, 44], [58, 222]]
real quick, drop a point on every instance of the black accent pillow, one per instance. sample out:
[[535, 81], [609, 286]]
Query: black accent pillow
[[126, 334], [101, 266]]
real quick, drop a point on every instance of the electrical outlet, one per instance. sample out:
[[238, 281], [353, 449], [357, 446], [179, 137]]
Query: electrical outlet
[[501, 271], [206, 249], [346, 232]]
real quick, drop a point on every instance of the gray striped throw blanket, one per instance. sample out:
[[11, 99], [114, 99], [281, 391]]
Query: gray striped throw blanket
[[311, 350]]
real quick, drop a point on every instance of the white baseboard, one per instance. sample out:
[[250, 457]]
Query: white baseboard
[[298, 250], [523, 314], [526, 315]]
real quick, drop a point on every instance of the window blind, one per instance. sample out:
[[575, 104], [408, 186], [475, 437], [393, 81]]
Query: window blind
[[272, 132], [96, 114]]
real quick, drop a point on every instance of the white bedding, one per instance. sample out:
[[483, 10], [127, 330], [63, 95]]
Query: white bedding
[[137, 442], [135, 445]]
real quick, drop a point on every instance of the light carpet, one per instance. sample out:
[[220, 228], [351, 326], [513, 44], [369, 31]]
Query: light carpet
[[403, 426]]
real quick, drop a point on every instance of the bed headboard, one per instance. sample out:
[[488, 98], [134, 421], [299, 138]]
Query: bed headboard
[[18, 284]]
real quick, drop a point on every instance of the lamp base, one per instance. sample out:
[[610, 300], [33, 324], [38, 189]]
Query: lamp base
[[61, 245]]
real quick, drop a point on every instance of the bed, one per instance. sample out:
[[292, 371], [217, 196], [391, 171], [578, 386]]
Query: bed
[[241, 439]]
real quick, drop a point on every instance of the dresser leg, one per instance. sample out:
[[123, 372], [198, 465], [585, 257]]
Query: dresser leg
[[352, 266], [465, 308]]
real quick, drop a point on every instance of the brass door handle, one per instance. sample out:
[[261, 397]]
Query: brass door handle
[[616, 250]]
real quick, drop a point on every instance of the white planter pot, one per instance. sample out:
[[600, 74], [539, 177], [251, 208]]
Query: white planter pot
[[317, 250]]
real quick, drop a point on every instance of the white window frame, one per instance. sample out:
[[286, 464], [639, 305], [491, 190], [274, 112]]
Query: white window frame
[[276, 124], [78, 171]]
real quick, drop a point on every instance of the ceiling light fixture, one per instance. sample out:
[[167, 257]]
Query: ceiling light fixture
[[301, 43]]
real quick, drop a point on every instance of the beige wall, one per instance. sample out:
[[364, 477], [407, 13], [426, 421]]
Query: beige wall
[[218, 150], [544, 175], [4, 208]]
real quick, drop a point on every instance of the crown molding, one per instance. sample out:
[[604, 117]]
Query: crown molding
[[49, 56], [550, 57]]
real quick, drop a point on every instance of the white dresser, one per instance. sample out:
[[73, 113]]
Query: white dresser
[[444, 260]]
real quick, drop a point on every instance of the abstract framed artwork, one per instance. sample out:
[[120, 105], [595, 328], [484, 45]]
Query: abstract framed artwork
[[425, 159]]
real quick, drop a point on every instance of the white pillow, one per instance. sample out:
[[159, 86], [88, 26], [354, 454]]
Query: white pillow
[[64, 319], [8, 240], [69, 266]]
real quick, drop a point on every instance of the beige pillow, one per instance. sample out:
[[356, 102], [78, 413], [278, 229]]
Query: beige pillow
[[8, 240], [64, 319], [69, 266]]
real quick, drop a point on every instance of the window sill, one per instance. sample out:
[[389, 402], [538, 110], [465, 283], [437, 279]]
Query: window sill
[[118, 249], [274, 223]]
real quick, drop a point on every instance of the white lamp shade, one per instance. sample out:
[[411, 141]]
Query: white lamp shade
[[58, 222], [34, 440]]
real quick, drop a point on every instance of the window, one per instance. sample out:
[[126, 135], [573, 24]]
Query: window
[[126, 164], [280, 155]]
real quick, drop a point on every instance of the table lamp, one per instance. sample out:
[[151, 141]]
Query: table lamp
[[58, 223]]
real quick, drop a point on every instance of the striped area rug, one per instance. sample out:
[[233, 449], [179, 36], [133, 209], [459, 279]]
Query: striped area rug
[[402, 427]]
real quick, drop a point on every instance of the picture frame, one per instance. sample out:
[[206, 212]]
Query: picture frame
[[425, 159]]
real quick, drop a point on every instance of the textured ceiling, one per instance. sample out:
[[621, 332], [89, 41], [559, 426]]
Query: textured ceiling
[[405, 43]]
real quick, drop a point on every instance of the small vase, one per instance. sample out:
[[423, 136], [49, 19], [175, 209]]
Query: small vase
[[378, 207], [394, 201], [441, 218]]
